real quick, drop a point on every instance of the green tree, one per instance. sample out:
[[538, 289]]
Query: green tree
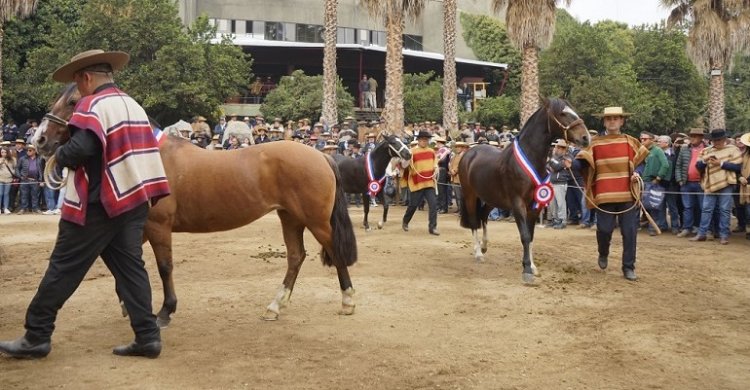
[[498, 111], [10, 9], [175, 72], [300, 96], [421, 92], [737, 94]]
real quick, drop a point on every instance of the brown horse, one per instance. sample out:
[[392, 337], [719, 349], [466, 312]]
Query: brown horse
[[492, 178], [299, 182]]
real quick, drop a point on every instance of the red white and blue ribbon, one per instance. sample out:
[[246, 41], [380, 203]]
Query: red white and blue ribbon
[[159, 135], [543, 193], [373, 185]]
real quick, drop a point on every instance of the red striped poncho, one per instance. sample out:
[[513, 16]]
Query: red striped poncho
[[422, 168], [132, 170], [611, 160]]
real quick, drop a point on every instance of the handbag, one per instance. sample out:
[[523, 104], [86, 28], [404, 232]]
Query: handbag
[[653, 196], [14, 182]]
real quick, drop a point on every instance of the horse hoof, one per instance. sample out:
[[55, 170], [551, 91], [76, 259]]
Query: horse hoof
[[346, 310], [527, 278], [270, 316], [380, 225], [536, 272], [163, 323], [484, 250]]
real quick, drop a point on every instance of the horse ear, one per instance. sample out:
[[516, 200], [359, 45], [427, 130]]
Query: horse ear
[[544, 100]]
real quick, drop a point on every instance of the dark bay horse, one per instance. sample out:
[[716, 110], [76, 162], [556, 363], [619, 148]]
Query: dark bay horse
[[355, 177], [493, 178], [299, 182]]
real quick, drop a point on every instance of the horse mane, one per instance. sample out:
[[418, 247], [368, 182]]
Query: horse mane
[[68, 96]]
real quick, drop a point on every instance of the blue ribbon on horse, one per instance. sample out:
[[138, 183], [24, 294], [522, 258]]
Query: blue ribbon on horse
[[373, 185], [543, 193]]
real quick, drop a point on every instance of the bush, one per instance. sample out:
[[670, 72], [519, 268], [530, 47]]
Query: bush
[[423, 97], [498, 111], [300, 96]]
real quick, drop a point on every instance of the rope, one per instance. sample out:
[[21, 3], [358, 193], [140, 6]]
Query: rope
[[51, 179]]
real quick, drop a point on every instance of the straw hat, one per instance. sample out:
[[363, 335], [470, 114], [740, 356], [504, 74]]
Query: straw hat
[[440, 139], [460, 144], [5, 143], [116, 59], [20, 141], [745, 139], [330, 147], [612, 111], [561, 143], [696, 131]]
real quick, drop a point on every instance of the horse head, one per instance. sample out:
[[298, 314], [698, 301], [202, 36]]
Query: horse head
[[563, 122], [53, 131], [397, 147]]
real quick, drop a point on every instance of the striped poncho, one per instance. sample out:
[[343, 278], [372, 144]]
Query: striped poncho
[[714, 178], [422, 169], [132, 170], [611, 160]]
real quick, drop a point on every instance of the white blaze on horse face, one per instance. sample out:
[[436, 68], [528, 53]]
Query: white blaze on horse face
[[570, 111], [40, 130]]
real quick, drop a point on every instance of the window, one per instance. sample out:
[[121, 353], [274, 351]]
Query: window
[[222, 26], [412, 42], [310, 33], [249, 27], [346, 35], [259, 30], [377, 38], [274, 31]]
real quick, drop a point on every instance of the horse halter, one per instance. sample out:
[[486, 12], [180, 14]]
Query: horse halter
[[55, 119], [398, 151], [564, 128]]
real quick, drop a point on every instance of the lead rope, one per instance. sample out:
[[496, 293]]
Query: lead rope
[[51, 179]]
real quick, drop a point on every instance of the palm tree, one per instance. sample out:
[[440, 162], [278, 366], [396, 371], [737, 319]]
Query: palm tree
[[330, 110], [395, 13], [450, 103], [10, 9], [717, 30], [531, 25]]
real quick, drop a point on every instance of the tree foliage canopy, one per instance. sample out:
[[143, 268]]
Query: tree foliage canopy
[[173, 72], [301, 96], [422, 91]]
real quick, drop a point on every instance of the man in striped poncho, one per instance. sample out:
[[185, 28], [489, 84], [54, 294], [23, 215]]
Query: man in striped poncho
[[421, 181], [608, 167]]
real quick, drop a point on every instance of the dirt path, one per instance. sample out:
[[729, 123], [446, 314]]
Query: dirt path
[[427, 315]]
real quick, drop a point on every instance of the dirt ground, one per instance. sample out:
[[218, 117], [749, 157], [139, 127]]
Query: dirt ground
[[427, 315]]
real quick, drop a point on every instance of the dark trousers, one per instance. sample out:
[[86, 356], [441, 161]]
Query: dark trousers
[[14, 191], [573, 203], [30, 191], [415, 199], [605, 225], [119, 242], [444, 190]]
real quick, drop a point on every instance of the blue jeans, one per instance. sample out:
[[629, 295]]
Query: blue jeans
[[50, 198], [30, 190], [5, 195], [691, 203], [723, 200]]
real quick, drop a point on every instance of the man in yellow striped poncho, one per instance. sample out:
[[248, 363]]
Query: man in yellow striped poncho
[[608, 166], [421, 174], [719, 165]]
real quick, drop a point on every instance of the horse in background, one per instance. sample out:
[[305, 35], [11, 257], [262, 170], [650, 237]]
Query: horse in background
[[302, 184], [358, 174], [513, 179]]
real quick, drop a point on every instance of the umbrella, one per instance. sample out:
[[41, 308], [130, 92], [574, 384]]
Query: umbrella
[[175, 128], [239, 129]]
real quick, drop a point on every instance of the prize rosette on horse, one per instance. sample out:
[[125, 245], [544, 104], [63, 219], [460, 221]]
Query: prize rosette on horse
[[543, 194], [373, 185], [374, 188]]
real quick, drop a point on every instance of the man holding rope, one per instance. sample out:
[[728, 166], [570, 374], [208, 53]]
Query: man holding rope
[[422, 169], [608, 167]]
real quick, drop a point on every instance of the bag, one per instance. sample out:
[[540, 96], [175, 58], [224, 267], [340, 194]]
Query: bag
[[390, 188], [653, 196]]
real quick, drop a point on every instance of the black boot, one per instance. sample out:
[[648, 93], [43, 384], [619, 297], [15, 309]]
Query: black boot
[[150, 350], [23, 349]]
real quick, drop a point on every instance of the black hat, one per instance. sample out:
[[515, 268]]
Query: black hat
[[717, 134], [424, 134]]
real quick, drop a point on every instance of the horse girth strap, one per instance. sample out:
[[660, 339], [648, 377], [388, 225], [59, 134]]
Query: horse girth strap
[[55, 119]]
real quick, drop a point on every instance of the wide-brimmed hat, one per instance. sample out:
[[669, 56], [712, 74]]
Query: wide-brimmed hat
[[116, 59], [561, 143], [20, 141], [260, 128], [330, 147], [439, 139], [612, 111], [370, 135], [717, 134], [423, 134], [460, 144], [200, 118], [30, 146], [745, 139], [5, 143], [696, 131]]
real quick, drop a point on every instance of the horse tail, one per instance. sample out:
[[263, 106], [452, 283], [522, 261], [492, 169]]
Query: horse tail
[[470, 220], [344, 244]]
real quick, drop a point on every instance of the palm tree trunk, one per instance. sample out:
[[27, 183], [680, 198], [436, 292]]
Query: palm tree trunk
[[393, 110], [2, 37], [716, 98], [450, 103], [529, 83], [330, 109]]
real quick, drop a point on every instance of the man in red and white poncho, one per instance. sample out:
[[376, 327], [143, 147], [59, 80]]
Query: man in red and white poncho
[[421, 179], [116, 171]]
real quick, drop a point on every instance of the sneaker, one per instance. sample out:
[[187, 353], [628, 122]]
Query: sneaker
[[629, 274], [48, 212], [698, 238], [56, 212], [584, 226], [6, 211], [683, 233]]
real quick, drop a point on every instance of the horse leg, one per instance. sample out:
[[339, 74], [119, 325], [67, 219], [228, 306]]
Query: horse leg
[[478, 251], [347, 291], [522, 222], [366, 205], [531, 226], [160, 237], [385, 202], [485, 212], [295, 256]]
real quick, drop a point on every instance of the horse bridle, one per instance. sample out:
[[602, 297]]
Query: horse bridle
[[55, 119], [564, 128], [398, 151]]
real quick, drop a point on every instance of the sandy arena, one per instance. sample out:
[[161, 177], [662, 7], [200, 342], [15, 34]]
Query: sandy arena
[[427, 315]]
